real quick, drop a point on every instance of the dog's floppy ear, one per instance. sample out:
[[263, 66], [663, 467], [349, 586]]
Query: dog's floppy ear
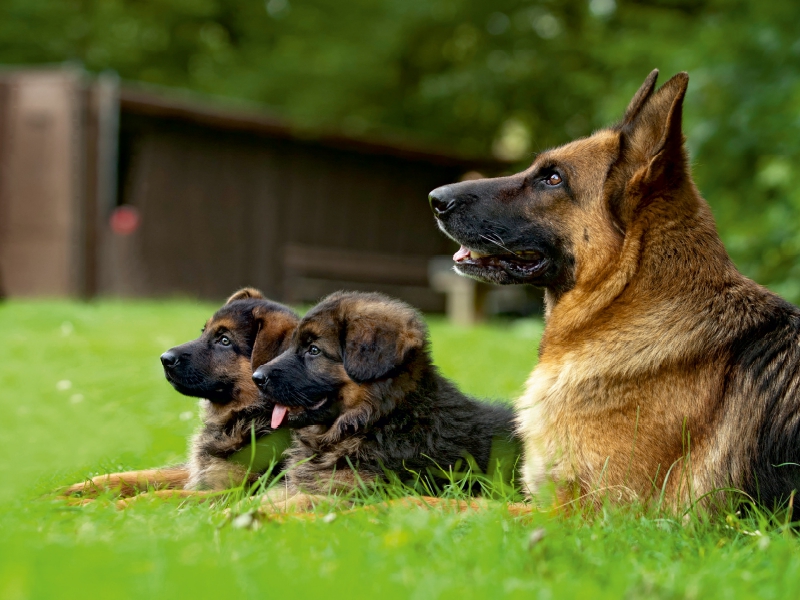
[[275, 329], [381, 340], [244, 294]]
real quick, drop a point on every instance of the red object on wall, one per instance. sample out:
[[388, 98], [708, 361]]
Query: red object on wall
[[125, 220]]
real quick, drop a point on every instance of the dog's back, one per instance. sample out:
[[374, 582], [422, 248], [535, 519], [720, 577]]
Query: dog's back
[[763, 382], [435, 436], [449, 428]]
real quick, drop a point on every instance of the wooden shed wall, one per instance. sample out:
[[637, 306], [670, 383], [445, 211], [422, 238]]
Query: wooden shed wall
[[226, 198], [225, 209], [40, 188]]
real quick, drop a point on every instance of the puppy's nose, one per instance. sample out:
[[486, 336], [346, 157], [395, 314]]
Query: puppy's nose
[[442, 200], [260, 378], [169, 359]]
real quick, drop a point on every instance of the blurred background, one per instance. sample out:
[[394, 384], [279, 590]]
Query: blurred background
[[188, 147]]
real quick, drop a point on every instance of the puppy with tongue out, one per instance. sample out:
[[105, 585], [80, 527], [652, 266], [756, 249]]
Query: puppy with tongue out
[[359, 390]]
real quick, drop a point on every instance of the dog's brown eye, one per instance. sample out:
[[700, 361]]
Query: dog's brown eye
[[313, 350], [553, 179], [224, 341]]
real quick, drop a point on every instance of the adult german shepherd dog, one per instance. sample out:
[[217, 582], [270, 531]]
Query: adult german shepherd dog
[[217, 367], [358, 387], [663, 372]]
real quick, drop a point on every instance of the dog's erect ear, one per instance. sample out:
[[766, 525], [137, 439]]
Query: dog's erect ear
[[656, 124], [655, 128], [379, 341], [275, 329], [651, 143], [244, 294], [640, 97]]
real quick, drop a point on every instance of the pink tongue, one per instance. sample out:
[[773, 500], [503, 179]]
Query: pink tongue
[[278, 413], [461, 254]]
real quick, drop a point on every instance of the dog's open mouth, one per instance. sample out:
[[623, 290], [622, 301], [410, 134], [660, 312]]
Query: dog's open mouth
[[520, 266], [280, 412]]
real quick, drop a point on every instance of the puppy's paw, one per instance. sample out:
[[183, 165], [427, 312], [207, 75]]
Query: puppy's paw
[[161, 495], [120, 483], [129, 483], [280, 502], [72, 500]]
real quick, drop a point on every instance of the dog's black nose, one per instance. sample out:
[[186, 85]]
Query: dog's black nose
[[260, 378], [442, 200], [169, 359]]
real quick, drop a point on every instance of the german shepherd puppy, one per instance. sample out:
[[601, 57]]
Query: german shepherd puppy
[[663, 371], [358, 387], [217, 367]]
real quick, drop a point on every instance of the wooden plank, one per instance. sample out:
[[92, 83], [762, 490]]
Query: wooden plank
[[355, 265], [4, 120], [101, 141], [42, 190], [307, 290]]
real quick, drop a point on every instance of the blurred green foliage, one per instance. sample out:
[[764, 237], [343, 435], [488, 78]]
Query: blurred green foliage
[[504, 77]]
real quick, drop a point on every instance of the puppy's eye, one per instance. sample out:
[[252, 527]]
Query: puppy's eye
[[553, 179], [313, 350], [225, 341]]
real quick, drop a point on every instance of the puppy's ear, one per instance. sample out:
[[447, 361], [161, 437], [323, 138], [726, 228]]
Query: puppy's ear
[[275, 329], [379, 341], [244, 294]]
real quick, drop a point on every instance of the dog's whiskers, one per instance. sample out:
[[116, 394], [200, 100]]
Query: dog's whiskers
[[300, 396], [496, 243]]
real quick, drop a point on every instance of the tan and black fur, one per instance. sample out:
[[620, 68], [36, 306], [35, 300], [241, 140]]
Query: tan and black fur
[[662, 369], [217, 367], [359, 389]]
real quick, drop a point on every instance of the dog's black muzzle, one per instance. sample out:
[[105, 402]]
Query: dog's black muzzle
[[170, 359], [188, 375], [177, 363], [450, 199], [473, 212], [442, 201], [501, 240], [283, 381]]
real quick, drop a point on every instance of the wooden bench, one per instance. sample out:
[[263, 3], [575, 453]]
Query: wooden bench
[[311, 272]]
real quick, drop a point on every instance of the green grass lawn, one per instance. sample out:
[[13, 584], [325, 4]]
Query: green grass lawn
[[82, 392]]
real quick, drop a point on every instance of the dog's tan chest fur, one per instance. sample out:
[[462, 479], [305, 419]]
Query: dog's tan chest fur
[[599, 424]]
